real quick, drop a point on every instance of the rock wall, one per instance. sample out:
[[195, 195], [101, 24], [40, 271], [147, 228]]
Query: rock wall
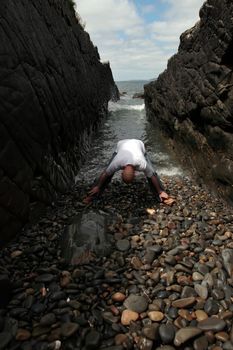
[[53, 90], [192, 100]]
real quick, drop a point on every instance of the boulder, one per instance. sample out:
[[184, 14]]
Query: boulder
[[85, 237]]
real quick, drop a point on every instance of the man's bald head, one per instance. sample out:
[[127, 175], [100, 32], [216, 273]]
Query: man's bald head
[[128, 174]]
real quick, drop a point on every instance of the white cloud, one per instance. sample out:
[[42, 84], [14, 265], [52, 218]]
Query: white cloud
[[136, 49], [183, 10], [108, 15]]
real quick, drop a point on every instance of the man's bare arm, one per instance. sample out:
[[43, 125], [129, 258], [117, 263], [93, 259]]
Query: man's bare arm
[[103, 177], [164, 197]]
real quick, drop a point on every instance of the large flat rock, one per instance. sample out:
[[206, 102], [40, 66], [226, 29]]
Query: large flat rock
[[85, 236]]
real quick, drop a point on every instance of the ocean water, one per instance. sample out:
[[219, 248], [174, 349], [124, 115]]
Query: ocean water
[[126, 119]]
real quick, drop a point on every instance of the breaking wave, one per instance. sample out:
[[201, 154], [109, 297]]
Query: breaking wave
[[113, 107]]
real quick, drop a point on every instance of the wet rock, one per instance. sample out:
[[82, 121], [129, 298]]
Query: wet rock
[[211, 307], [167, 333], [68, 329], [222, 336], [118, 296], [92, 339], [227, 255], [136, 263], [201, 343], [202, 291], [48, 320], [5, 338], [45, 278], [5, 290], [151, 331], [149, 256], [136, 303], [145, 344], [201, 315], [109, 317], [128, 316], [23, 334], [227, 346], [197, 276], [39, 331], [87, 233], [188, 292], [185, 334], [212, 324], [155, 316], [123, 245], [185, 302]]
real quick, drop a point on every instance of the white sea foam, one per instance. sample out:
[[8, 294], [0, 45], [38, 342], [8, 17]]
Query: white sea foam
[[170, 172], [113, 107]]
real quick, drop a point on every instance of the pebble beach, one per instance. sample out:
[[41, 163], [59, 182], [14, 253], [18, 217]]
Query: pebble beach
[[166, 285]]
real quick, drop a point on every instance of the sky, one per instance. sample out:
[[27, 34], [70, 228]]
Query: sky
[[137, 37]]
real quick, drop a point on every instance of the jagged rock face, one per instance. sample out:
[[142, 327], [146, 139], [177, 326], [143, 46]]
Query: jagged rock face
[[53, 89], [193, 99]]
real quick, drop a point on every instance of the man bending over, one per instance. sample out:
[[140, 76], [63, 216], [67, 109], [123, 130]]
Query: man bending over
[[130, 156]]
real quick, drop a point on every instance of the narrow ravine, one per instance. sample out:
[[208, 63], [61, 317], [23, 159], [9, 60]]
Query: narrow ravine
[[127, 119], [166, 284]]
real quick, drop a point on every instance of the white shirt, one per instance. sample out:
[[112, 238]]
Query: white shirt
[[130, 151]]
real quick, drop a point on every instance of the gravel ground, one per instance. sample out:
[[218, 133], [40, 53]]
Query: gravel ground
[[166, 285]]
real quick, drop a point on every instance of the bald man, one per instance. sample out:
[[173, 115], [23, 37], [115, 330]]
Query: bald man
[[130, 156]]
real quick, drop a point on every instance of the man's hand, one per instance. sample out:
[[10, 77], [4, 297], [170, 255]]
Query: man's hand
[[88, 199], [94, 191], [163, 195], [166, 199]]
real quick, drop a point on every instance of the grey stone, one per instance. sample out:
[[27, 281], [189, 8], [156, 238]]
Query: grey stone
[[92, 339], [86, 235], [167, 333], [201, 343], [188, 292], [5, 290], [45, 278], [123, 245], [212, 324], [202, 291], [136, 303], [48, 320], [5, 338], [184, 334], [151, 331], [68, 329], [211, 307], [227, 255]]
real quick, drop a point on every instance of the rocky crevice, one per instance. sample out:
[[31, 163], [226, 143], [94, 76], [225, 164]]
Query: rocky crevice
[[54, 90], [192, 100]]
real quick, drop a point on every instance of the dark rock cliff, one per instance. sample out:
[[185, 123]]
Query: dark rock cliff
[[53, 90], [193, 99]]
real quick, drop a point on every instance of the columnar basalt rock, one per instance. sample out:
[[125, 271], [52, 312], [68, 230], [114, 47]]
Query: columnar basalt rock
[[192, 100], [53, 90]]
